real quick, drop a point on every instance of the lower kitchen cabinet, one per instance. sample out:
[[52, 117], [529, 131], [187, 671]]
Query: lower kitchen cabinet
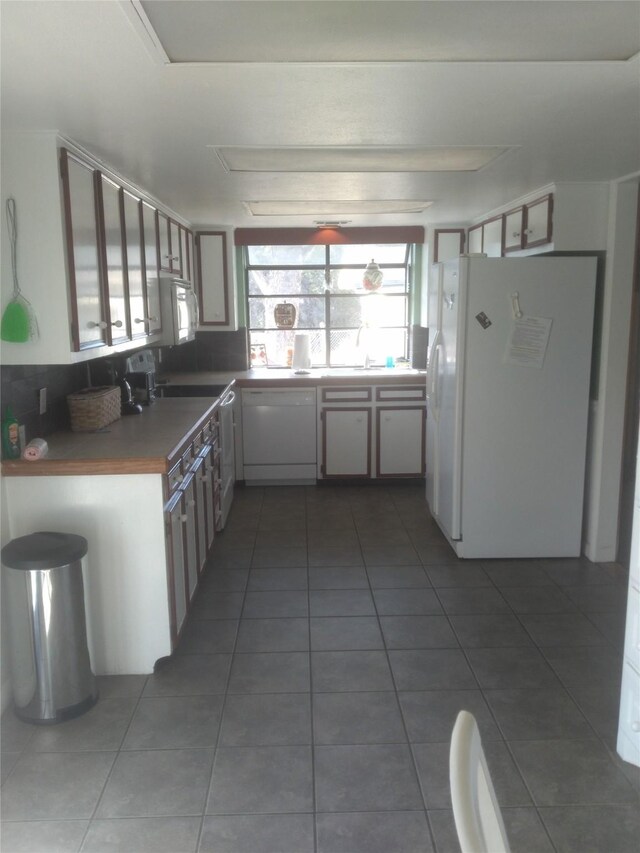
[[371, 431], [401, 441], [346, 442], [149, 535]]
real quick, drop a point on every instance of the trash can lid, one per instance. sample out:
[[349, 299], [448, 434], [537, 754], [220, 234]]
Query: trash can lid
[[44, 550]]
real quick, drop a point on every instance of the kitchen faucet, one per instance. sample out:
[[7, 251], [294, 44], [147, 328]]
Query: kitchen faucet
[[367, 358]]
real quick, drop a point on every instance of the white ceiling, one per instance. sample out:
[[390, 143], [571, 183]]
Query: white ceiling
[[87, 70]]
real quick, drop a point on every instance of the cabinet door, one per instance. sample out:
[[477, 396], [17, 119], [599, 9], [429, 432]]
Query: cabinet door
[[538, 226], [113, 261], [79, 187], [184, 254], [493, 231], [401, 441], [200, 477], [190, 535], [152, 317], [448, 243], [164, 246], [346, 442], [175, 261], [513, 230], [208, 481], [175, 531], [134, 246], [214, 292], [474, 239]]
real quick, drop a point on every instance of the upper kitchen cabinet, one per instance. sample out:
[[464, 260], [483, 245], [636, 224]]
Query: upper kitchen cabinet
[[87, 252], [134, 249], [80, 186], [152, 319], [561, 217], [448, 243], [169, 249], [113, 261], [530, 225], [215, 279]]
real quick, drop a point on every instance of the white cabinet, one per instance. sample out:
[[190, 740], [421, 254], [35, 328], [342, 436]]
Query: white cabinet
[[115, 283], [131, 211], [538, 222], [72, 253], [493, 237], [346, 442], [175, 518], [448, 244], [215, 279], [151, 319], [474, 239], [88, 310], [169, 245], [372, 431], [401, 441]]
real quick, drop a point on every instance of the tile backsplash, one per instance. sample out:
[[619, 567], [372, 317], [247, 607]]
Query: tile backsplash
[[20, 384]]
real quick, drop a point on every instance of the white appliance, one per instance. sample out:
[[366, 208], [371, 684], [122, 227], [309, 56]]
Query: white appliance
[[507, 403], [279, 435], [179, 306]]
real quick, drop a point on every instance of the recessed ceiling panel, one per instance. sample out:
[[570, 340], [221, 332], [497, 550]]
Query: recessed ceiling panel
[[357, 159], [351, 32], [333, 208]]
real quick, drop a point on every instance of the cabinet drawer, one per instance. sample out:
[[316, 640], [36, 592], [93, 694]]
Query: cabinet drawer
[[401, 392], [346, 395], [175, 478]]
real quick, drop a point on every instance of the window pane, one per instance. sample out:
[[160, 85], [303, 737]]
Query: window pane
[[309, 312], [277, 256], [345, 280], [383, 253], [278, 343], [374, 309], [348, 350], [275, 282]]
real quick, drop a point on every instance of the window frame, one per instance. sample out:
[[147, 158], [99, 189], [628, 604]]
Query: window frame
[[329, 295]]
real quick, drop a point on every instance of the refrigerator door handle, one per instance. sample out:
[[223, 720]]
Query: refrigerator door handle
[[433, 371]]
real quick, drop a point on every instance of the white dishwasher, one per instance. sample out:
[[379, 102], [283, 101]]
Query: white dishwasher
[[279, 435]]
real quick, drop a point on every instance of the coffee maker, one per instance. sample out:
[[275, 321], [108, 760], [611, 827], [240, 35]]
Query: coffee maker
[[111, 371]]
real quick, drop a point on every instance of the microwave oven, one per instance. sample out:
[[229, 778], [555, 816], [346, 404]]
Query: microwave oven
[[179, 306]]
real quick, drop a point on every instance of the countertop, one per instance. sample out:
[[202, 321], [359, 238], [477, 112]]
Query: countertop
[[135, 444], [143, 444], [283, 377]]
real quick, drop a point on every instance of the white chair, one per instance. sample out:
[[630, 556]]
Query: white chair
[[475, 807]]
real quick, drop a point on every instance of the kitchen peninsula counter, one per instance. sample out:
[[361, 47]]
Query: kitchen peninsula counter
[[135, 444]]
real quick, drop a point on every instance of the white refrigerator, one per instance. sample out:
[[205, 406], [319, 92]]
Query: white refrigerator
[[508, 403]]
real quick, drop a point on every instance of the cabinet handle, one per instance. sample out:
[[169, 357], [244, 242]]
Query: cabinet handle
[[100, 325], [191, 503], [635, 727], [118, 324], [184, 518], [516, 234]]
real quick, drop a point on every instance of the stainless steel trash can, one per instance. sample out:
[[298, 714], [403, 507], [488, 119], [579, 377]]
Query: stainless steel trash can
[[51, 675]]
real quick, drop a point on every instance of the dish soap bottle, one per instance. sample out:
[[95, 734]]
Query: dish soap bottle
[[10, 436]]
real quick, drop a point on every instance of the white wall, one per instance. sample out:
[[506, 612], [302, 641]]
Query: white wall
[[604, 465]]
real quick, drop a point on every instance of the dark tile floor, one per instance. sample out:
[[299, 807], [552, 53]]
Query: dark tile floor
[[310, 704]]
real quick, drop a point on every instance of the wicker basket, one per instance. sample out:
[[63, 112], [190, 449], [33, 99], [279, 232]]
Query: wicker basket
[[94, 408]]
